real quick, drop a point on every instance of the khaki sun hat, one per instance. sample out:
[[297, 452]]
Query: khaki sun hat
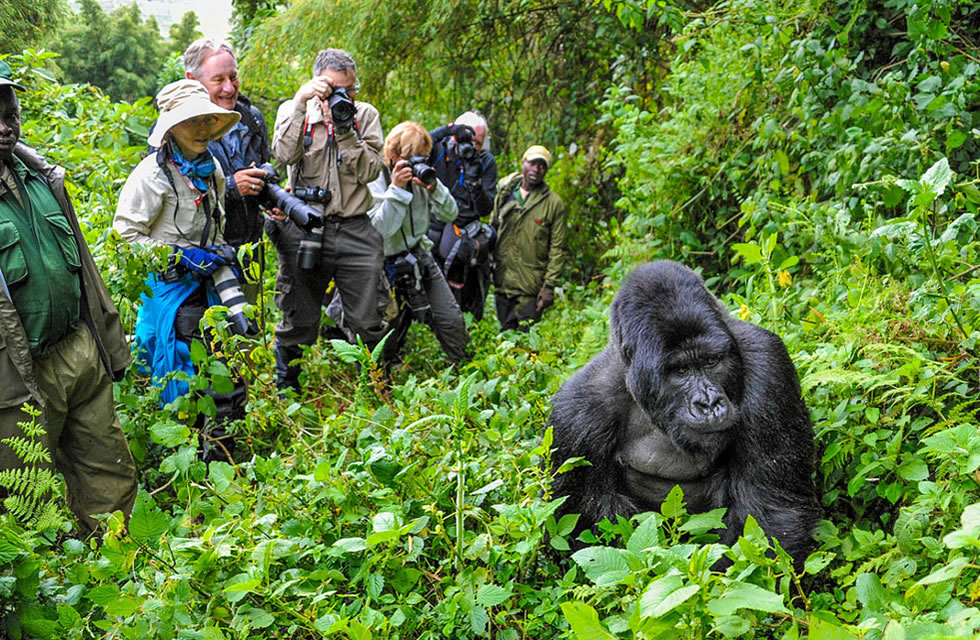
[[537, 152], [6, 75], [186, 99]]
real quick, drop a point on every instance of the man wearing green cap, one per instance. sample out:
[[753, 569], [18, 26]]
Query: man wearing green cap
[[530, 252], [62, 343]]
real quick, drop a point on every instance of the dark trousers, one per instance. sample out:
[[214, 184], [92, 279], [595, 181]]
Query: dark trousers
[[351, 255], [217, 443], [516, 312], [444, 317]]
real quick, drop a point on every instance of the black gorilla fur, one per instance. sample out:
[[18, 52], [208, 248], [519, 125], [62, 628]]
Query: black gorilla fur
[[686, 394]]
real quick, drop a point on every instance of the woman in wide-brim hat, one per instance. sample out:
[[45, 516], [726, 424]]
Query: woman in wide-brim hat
[[175, 197]]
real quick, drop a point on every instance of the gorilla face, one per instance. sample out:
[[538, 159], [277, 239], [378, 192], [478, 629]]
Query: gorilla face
[[682, 368]]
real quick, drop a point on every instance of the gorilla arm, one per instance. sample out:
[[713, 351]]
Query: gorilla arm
[[588, 416], [773, 454]]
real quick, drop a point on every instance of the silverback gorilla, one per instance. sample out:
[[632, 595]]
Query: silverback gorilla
[[686, 394]]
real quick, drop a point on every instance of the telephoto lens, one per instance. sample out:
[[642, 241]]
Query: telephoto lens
[[303, 215], [226, 284]]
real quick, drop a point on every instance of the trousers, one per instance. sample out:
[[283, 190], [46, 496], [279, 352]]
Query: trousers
[[84, 436]]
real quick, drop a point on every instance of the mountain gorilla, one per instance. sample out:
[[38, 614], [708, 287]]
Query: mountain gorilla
[[685, 394]]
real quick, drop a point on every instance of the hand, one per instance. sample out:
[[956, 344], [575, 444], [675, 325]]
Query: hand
[[201, 262], [546, 298], [401, 174], [251, 181], [319, 87], [428, 187]]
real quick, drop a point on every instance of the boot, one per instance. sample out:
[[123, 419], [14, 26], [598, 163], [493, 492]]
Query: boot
[[287, 372]]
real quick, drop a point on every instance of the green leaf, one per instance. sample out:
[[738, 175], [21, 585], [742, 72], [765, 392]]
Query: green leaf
[[741, 595], [490, 595], [170, 434], [665, 594], [148, 522], [122, 607], [374, 585], [818, 561], [479, 619], [703, 522], [221, 474], [937, 177], [751, 253], [647, 535], [239, 586], [584, 622], [732, 626], [260, 618], [602, 565], [103, 594], [351, 545]]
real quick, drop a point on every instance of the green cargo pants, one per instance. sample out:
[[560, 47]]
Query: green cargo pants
[[84, 436]]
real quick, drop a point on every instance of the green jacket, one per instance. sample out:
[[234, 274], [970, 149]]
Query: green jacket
[[97, 310], [531, 239]]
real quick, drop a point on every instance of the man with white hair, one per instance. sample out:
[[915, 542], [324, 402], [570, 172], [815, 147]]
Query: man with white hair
[[463, 162]]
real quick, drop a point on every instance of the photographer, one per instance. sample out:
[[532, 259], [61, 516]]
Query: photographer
[[332, 145], [462, 160], [403, 205], [241, 150], [175, 197]]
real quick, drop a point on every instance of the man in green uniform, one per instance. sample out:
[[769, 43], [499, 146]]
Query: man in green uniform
[[62, 343], [530, 252]]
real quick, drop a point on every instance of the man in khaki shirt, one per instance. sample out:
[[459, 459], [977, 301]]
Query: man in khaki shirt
[[331, 143]]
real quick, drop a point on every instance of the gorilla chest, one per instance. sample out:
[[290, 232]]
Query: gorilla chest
[[652, 465]]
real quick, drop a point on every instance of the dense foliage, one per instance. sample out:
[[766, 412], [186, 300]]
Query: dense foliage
[[815, 158]]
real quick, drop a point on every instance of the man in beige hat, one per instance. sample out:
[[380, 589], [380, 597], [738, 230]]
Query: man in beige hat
[[62, 341], [530, 252], [175, 198]]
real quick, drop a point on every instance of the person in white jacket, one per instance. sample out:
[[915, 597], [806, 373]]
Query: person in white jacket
[[404, 195]]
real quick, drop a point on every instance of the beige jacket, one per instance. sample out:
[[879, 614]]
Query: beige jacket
[[151, 212], [360, 156]]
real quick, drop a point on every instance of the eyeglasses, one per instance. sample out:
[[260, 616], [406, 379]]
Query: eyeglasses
[[354, 88]]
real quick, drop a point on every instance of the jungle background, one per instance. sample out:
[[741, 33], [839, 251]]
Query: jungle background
[[815, 160]]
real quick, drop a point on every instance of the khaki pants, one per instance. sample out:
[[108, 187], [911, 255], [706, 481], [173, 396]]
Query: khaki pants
[[84, 436]]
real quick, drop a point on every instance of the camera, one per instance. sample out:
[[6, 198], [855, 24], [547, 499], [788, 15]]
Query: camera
[[312, 194], [465, 148], [303, 215], [308, 252], [422, 170], [408, 282], [342, 109]]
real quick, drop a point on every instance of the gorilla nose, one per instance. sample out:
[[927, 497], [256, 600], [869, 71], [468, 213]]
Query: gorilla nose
[[710, 406]]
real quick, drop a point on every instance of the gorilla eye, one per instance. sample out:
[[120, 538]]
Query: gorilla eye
[[711, 361]]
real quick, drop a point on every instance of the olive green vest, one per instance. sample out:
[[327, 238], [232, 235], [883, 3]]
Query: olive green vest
[[39, 260]]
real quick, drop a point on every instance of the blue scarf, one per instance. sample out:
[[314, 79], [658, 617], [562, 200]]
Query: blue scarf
[[196, 170]]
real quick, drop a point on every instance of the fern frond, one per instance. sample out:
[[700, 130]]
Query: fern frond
[[28, 451]]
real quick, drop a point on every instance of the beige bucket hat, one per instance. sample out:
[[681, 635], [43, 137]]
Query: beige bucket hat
[[537, 152], [186, 99]]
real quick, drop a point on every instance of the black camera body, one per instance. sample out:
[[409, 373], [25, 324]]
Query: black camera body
[[465, 148], [313, 194], [342, 108], [303, 215], [422, 170], [408, 282]]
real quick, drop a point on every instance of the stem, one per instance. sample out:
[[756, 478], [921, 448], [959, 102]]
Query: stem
[[935, 270]]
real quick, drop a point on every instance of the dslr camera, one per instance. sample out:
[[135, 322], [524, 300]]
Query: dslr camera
[[408, 282], [465, 148], [422, 170], [342, 108]]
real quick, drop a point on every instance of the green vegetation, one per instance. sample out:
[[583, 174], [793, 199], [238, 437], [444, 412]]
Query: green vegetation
[[815, 158]]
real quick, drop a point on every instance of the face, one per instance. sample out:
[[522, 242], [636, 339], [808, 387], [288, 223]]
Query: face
[[9, 122], [534, 171], [345, 79], [219, 74], [194, 135], [479, 133]]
